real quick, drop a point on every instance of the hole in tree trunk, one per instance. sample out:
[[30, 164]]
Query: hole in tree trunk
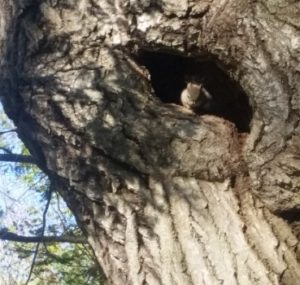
[[171, 73]]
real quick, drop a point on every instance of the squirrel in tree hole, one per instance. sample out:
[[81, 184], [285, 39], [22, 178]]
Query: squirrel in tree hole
[[196, 97]]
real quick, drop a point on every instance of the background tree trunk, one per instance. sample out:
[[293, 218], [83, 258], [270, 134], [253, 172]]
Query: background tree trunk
[[164, 195]]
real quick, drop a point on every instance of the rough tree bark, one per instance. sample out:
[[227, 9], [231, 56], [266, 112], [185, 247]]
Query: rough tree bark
[[164, 195]]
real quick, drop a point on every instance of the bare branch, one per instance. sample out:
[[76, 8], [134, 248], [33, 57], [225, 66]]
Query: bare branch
[[17, 158], [41, 235], [5, 235], [6, 150], [8, 131]]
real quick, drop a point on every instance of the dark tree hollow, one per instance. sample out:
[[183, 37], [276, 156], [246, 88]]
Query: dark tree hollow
[[170, 74]]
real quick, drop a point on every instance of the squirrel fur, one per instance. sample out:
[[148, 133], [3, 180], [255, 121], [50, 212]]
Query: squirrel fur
[[195, 96]]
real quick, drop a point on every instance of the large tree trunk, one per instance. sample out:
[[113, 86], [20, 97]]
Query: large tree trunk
[[165, 195]]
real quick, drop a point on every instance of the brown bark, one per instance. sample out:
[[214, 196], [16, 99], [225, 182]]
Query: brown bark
[[164, 195]]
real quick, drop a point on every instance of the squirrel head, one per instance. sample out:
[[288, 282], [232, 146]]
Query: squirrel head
[[194, 90]]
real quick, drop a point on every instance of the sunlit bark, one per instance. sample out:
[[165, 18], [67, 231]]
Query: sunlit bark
[[164, 195]]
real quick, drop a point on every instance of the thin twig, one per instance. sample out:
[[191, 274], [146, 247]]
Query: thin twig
[[41, 235], [8, 131], [6, 150]]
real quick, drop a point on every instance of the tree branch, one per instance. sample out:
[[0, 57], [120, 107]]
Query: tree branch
[[17, 158], [8, 131], [4, 235], [5, 149], [42, 233]]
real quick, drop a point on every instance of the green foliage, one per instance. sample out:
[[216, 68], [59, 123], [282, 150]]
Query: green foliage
[[71, 264]]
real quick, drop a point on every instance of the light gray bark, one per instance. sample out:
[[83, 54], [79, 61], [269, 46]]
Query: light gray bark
[[163, 195]]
